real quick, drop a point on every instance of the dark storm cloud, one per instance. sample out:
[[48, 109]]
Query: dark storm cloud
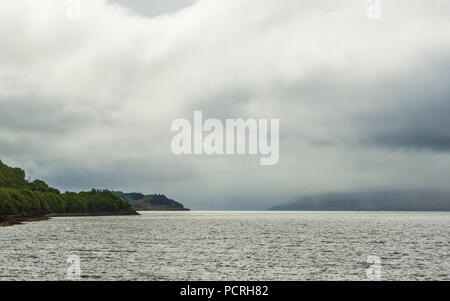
[[414, 141], [421, 122]]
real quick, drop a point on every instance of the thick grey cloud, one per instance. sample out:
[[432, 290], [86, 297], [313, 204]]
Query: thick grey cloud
[[142, 175], [362, 104], [418, 123], [414, 140], [41, 116]]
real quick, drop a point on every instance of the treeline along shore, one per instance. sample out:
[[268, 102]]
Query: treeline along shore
[[21, 200]]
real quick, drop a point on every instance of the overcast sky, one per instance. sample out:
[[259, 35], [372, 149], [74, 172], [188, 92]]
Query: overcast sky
[[154, 8], [363, 104]]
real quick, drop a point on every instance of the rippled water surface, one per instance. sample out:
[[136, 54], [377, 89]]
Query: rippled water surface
[[231, 246]]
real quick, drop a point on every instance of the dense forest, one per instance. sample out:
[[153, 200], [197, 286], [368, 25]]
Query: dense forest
[[18, 196]]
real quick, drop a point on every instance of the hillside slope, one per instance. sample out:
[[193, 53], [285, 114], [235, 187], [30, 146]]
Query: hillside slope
[[152, 202], [18, 197]]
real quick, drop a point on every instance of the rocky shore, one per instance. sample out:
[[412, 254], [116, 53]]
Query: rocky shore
[[12, 220]]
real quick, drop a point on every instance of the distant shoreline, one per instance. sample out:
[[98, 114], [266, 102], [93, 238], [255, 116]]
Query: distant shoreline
[[409, 200]]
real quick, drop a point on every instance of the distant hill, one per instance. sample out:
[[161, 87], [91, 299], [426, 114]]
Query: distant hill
[[370, 201], [18, 197], [151, 202]]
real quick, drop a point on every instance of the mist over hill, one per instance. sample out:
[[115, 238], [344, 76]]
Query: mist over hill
[[370, 201], [151, 202]]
